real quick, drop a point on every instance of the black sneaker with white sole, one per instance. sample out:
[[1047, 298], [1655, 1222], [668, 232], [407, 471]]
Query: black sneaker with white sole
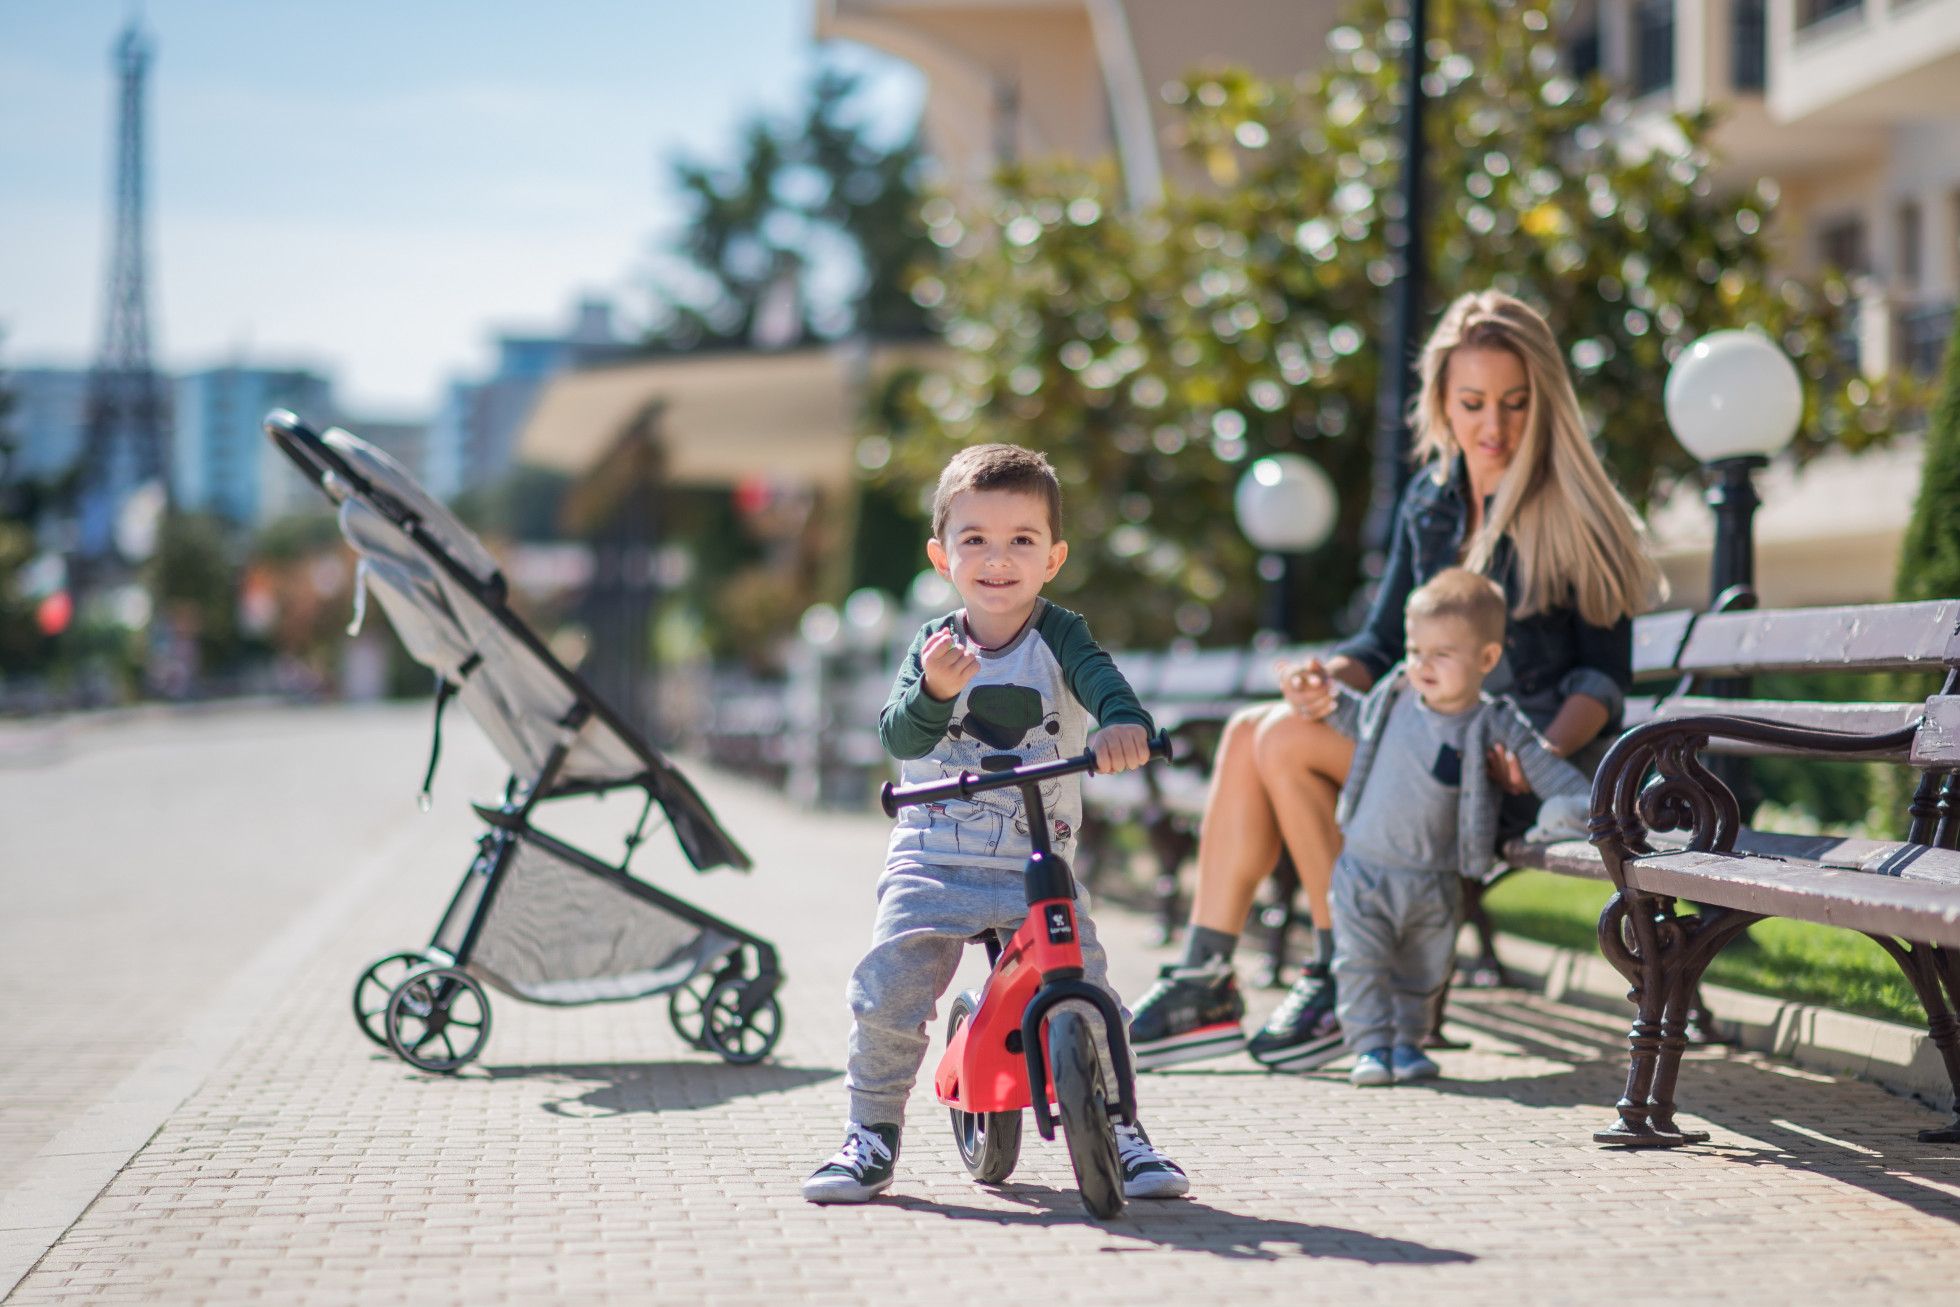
[[1147, 1173], [1302, 1033], [1190, 1014], [858, 1171]]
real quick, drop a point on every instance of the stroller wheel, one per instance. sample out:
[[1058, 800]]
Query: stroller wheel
[[740, 1039], [687, 1008], [371, 992], [438, 1019]]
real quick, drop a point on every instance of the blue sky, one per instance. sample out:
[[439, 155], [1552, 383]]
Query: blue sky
[[371, 186]]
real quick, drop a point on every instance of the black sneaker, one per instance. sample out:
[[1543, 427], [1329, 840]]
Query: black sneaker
[[1147, 1173], [859, 1170], [1190, 1014], [1302, 1033]]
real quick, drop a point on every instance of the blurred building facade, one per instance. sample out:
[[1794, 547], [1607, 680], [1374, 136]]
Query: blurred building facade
[[221, 462], [49, 408], [473, 440]]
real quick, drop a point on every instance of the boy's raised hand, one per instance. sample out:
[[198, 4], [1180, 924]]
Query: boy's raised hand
[[1120, 748], [948, 664]]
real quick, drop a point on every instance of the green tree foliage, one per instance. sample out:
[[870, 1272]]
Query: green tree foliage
[[193, 584], [821, 190], [1929, 557], [1153, 355]]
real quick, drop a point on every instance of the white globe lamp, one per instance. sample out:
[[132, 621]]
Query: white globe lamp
[[1733, 394], [1286, 506]]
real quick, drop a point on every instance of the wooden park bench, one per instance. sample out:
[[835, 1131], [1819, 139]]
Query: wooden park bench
[[1665, 830]]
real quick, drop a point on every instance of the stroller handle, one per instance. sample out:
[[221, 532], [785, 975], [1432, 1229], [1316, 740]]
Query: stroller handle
[[967, 784]]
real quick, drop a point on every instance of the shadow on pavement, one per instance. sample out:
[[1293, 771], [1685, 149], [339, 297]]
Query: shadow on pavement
[[1783, 1113], [602, 1089], [1185, 1226]]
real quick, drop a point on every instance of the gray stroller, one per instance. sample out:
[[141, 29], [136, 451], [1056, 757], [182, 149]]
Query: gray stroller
[[534, 917]]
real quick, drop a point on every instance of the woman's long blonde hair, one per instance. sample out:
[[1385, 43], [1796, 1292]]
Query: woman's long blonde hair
[[1577, 539]]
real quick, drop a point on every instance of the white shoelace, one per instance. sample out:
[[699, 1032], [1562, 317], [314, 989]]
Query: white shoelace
[[1133, 1150], [862, 1149]]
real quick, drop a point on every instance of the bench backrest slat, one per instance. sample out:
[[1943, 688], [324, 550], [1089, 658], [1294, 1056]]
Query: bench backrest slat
[[1868, 637], [1938, 741], [1201, 674], [1657, 641]]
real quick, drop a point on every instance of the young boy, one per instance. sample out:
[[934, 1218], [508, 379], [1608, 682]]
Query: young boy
[[1008, 679], [1419, 813]]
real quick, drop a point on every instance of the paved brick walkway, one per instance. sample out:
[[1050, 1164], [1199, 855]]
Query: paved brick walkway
[[591, 1154]]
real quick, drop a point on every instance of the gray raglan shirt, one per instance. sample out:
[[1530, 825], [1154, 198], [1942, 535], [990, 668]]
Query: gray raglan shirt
[[1397, 800], [1032, 700]]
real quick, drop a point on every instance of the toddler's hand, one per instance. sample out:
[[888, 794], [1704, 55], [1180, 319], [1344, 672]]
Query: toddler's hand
[[1119, 748], [1308, 688], [1506, 770], [948, 664]]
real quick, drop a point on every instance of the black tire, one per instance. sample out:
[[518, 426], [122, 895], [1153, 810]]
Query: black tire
[[989, 1142], [372, 990], [740, 1039], [426, 1008], [687, 1008], [1076, 1071]]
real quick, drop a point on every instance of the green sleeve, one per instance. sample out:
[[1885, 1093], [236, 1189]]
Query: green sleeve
[[914, 722], [1091, 673]]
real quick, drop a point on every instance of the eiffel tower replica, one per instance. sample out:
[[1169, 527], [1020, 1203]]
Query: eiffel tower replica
[[126, 434]]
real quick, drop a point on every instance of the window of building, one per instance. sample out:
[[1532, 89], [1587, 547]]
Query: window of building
[[1816, 11], [1841, 245], [1749, 44], [1911, 232], [1653, 46], [1582, 53]]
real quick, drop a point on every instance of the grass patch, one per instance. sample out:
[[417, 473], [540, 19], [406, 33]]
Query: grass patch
[[1785, 959]]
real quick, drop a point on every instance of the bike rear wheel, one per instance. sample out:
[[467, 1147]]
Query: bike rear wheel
[[989, 1142], [1076, 1072]]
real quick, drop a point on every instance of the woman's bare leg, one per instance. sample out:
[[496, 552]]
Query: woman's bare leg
[[1302, 765], [1239, 840]]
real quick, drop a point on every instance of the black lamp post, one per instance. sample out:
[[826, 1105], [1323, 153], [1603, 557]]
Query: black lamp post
[[1406, 252], [1734, 400]]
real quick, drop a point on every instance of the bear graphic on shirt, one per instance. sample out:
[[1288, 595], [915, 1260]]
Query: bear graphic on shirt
[[1004, 726]]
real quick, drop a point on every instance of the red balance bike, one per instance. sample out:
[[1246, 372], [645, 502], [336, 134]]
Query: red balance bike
[[1026, 1039]]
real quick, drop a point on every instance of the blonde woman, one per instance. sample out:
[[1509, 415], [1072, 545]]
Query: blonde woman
[[1507, 485]]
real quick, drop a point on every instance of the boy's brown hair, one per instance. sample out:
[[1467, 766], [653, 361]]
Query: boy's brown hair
[[998, 467], [1461, 593]]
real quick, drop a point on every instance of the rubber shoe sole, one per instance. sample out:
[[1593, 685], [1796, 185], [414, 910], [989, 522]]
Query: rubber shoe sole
[[1157, 1184], [1192, 1046], [842, 1189], [1308, 1056]]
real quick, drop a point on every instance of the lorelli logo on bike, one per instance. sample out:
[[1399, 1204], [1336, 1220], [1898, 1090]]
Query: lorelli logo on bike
[[1060, 929]]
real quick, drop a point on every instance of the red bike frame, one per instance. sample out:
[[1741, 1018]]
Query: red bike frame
[[997, 1062]]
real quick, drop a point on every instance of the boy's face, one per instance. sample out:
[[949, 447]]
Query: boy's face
[[997, 551], [1447, 662]]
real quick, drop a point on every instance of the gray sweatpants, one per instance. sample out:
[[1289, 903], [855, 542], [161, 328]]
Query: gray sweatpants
[[1394, 945], [926, 915]]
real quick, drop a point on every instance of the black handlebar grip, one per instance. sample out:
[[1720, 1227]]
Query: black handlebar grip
[[886, 801], [1160, 746]]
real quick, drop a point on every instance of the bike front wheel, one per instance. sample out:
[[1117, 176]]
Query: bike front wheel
[[1075, 1069]]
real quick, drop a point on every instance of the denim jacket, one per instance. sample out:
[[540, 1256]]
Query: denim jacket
[[1548, 656]]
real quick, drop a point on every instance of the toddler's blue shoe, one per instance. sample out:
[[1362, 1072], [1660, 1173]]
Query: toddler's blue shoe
[[1409, 1063], [1371, 1069]]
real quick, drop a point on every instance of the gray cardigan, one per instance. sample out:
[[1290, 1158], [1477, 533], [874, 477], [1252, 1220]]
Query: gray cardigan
[[1498, 721]]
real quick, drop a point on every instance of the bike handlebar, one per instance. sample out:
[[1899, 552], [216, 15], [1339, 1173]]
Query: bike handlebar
[[967, 784]]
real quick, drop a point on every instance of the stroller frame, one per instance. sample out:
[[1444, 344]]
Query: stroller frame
[[732, 1011]]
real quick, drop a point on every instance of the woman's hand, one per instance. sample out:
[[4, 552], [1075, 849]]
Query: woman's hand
[[1506, 771], [1308, 688]]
